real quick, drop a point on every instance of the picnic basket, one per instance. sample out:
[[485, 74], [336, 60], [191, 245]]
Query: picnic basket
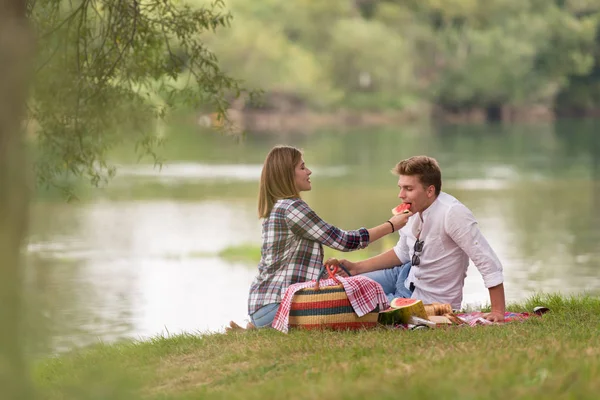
[[328, 307]]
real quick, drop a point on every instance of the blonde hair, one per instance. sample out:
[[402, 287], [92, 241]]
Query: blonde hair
[[426, 168], [277, 178]]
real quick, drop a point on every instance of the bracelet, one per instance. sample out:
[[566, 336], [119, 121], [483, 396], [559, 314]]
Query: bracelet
[[392, 225]]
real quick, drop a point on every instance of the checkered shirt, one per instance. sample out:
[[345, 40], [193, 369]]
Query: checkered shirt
[[293, 236]]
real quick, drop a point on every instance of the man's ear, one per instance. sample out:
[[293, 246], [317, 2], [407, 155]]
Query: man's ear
[[430, 191]]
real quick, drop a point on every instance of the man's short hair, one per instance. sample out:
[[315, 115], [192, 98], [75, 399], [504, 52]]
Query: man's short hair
[[426, 168]]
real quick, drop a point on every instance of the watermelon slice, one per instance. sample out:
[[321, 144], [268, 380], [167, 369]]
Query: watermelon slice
[[402, 208], [400, 302], [401, 310]]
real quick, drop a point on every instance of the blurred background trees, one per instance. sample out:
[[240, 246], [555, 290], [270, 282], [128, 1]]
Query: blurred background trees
[[392, 54], [108, 71]]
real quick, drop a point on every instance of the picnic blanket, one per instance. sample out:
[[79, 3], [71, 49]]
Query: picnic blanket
[[477, 318]]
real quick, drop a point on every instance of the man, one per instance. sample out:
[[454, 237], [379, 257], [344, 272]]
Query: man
[[430, 260]]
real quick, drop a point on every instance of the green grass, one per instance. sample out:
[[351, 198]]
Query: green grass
[[556, 356]]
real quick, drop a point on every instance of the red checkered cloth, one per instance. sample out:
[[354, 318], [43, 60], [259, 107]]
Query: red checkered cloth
[[363, 293], [478, 318]]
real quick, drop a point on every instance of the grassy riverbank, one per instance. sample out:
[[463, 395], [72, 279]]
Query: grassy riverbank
[[555, 356]]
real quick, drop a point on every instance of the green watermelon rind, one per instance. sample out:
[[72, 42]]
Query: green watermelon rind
[[401, 314]]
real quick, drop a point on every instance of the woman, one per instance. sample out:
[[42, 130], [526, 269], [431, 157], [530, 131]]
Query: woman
[[293, 235]]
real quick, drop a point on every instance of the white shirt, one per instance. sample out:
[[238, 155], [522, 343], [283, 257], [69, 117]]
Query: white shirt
[[451, 236]]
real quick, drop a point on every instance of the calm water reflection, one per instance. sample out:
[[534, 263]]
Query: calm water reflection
[[141, 257]]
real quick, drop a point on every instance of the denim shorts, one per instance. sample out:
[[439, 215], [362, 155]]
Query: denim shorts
[[264, 316], [393, 281]]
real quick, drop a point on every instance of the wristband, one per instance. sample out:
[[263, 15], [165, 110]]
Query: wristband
[[392, 225]]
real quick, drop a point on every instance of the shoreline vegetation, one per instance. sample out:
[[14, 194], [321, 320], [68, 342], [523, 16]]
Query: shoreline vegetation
[[371, 61], [283, 119], [553, 356]]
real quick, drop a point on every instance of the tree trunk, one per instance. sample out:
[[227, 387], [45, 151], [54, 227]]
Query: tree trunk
[[15, 54]]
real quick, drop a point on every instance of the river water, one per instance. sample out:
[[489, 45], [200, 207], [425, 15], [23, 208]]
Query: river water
[[142, 257]]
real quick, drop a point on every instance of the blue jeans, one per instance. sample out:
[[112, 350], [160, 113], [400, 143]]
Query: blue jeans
[[264, 316], [392, 280]]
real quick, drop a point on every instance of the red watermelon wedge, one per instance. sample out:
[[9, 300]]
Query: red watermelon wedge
[[402, 208], [400, 302]]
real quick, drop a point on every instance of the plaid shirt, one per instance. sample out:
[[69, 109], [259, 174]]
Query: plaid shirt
[[293, 236]]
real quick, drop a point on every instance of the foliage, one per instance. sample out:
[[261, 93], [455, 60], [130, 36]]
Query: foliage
[[500, 52], [391, 53], [458, 53], [108, 70], [264, 58]]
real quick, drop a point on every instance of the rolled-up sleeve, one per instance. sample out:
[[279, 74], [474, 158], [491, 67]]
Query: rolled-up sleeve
[[304, 222], [462, 227]]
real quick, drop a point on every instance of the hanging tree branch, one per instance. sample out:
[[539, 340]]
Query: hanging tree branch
[[102, 66]]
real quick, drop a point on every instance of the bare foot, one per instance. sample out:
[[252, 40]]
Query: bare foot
[[233, 327]]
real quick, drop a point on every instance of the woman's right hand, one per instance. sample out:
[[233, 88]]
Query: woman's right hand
[[400, 220]]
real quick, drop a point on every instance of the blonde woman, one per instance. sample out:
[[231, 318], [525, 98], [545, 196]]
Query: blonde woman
[[293, 234]]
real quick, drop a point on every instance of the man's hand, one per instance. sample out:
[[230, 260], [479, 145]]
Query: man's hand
[[494, 316], [334, 262], [353, 268], [498, 304]]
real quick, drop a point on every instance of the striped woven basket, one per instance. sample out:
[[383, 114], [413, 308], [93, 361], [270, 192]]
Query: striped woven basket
[[327, 308]]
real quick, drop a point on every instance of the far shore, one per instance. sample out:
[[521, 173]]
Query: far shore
[[305, 120]]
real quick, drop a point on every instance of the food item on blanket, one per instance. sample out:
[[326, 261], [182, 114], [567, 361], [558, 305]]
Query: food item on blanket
[[402, 208], [440, 319], [401, 310], [400, 302], [438, 309], [414, 320], [456, 320]]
